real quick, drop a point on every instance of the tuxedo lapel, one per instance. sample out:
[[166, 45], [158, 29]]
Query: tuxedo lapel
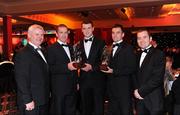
[[138, 58], [119, 49], [43, 52], [71, 52], [83, 55], [93, 48], [35, 52], [61, 49], [147, 58]]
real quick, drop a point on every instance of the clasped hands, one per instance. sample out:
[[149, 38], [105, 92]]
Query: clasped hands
[[108, 71], [30, 106], [86, 68]]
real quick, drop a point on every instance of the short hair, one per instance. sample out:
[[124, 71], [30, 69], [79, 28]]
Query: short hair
[[118, 26], [144, 29], [61, 25], [35, 26], [87, 22]]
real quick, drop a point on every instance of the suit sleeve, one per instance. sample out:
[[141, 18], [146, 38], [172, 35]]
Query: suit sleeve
[[129, 64], [134, 81], [22, 77], [157, 76]]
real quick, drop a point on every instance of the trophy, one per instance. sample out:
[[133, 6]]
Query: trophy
[[105, 57], [78, 56]]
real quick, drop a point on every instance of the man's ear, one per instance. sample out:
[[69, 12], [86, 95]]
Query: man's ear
[[150, 37], [29, 35], [123, 34], [56, 34], [93, 28]]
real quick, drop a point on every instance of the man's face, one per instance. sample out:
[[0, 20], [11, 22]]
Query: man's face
[[36, 36], [87, 30], [143, 39], [62, 34], [117, 34]]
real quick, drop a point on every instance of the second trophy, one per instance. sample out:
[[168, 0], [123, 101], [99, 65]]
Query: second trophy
[[105, 57]]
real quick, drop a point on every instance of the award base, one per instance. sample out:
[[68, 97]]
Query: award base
[[78, 65], [103, 67]]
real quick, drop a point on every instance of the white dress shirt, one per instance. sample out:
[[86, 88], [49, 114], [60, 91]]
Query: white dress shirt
[[39, 51], [87, 46], [116, 47], [66, 49]]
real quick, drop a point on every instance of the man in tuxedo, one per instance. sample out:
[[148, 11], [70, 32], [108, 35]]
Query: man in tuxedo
[[63, 75], [150, 76], [32, 75], [92, 81], [122, 65]]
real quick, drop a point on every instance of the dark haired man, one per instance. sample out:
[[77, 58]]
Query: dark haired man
[[92, 81], [150, 76], [63, 75], [121, 67]]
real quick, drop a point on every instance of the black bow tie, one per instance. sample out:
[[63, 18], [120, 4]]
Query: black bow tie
[[86, 40], [145, 50], [65, 45], [38, 49], [117, 44]]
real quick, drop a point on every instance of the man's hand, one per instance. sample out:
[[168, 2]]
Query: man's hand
[[137, 95], [30, 106], [108, 71], [87, 67], [71, 67]]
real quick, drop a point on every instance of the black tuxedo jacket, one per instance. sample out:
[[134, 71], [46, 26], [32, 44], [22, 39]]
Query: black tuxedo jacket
[[32, 77], [63, 81], [123, 64], [93, 78], [150, 77]]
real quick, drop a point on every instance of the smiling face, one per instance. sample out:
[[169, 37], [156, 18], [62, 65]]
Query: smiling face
[[87, 30], [117, 34], [62, 34], [143, 39], [36, 36]]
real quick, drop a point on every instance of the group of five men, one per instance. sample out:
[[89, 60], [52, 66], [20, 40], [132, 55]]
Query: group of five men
[[37, 73]]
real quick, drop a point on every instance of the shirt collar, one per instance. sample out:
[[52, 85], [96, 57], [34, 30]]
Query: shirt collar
[[34, 46], [118, 42], [147, 48], [60, 42], [90, 37]]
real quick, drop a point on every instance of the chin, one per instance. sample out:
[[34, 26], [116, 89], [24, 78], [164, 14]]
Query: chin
[[39, 43], [86, 36]]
